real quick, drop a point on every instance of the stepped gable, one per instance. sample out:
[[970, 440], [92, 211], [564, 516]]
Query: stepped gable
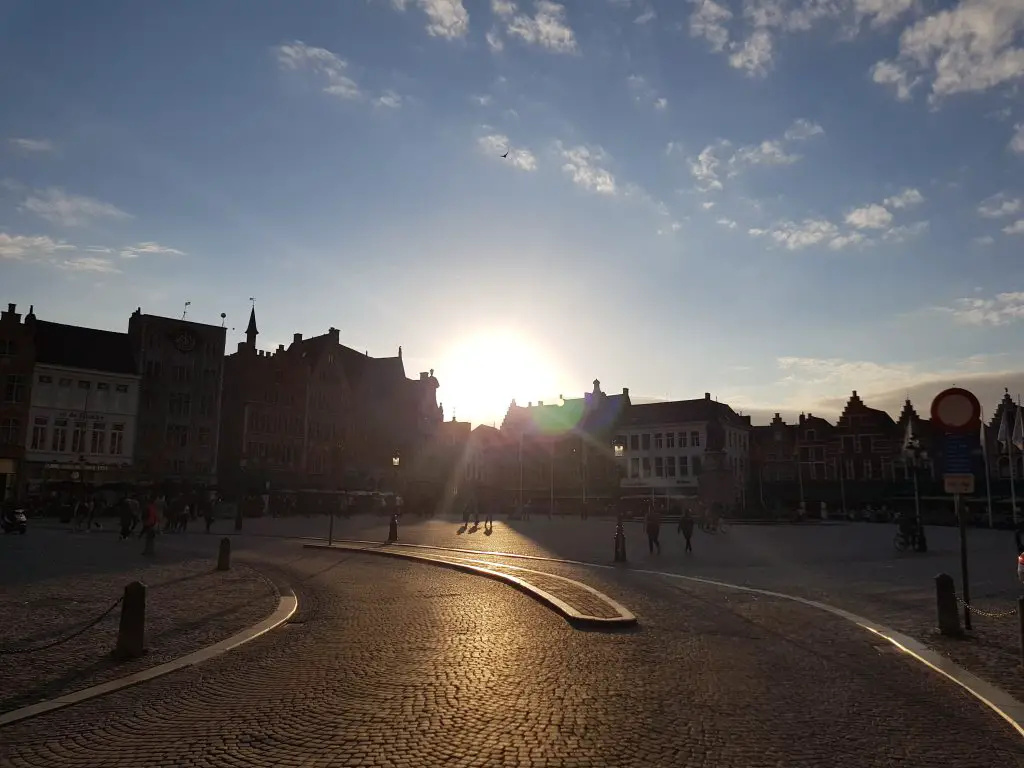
[[856, 407], [1006, 405]]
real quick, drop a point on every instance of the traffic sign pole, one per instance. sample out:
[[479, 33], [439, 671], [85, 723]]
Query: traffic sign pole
[[962, 517]]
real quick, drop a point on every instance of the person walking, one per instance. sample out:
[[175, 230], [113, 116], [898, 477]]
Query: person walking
[[686, 528], [653, 522]]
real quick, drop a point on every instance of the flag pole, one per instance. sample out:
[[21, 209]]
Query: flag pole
[[988, 474]]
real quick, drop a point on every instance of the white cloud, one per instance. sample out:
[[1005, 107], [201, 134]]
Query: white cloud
[[1001, 309], [754, 55], [872, 216], [547, 27], [644, 92], [999, 205], [704, 168], [905, 199], [906, 231], [503, 8], [584, 165], [30, 248], [1017, 228], [388, 99], [1017, 141], [768, 152], [89, 264], [142, 249], [707, 206], [726, 223], [645, 17], [494, 41], [495, 145], [984, 240], [660, 103], [297, 56], [709, 21], [802, 129], [881, 12], [32, 145], [795, 236], [483, 100], [972, 47], [57, 206], [445, 18]]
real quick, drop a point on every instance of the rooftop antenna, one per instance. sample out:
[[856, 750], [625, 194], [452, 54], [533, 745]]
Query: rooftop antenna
[[185, 311], [223, 321]]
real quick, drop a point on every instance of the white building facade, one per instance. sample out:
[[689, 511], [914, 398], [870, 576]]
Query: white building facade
[[662, 445], [83, 407]]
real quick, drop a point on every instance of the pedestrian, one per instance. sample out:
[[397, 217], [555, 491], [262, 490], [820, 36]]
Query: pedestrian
[[686, 528], [127, 519], [208, 514], [653, 521]]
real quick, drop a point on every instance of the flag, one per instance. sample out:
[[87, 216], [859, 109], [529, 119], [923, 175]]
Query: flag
[[1018, 430], [1003, 435]]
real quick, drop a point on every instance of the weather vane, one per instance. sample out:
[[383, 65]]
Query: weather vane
[[185, 311]]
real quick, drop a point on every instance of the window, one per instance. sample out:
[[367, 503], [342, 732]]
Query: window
[[848, 466], [182, 374], [177, 434], [658, 441], [811, 436], [39, 433], [696, 465], [695, 439], [777, 434], [204, 436], [116, 439], [83, 384], [99, 435], [682, 439], [46, 379], [102, 386], [180, 405], [59, 443], [634, 466], [646, 464], [847, 442], [659, 466], [64, 383], [121, 389], [634, 442], [646, 442], [78, 438], [683, 466], [867, 469], [670, 465], [9, 431], [14, 390], [670, 440], [8, 348]]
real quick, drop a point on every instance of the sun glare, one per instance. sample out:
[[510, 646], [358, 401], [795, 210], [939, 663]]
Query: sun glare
[[482, 374]]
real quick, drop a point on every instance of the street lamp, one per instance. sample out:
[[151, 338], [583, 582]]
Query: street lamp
[[916, 457]]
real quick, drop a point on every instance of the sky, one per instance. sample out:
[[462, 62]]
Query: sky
[[774, 201]]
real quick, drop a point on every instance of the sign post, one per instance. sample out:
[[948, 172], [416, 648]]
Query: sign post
[[958, 412]]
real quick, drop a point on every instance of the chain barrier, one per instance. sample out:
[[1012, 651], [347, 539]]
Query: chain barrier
[[989, 614], [62, 640]]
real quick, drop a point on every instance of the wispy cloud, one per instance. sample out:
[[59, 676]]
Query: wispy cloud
[[999, 205], [1001, 309], [905, 199], [30, 248], [872, 216], [333, 70], [445, 18], [644, 92], [585, 166], [89, 264], [147, 249], [547, 28], [496, 144], [32, 145], [1017, 140], [57, 206], [1017, 228]]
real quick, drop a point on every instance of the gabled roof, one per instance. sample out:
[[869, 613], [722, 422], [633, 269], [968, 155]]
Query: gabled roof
[[682, 412], [88, 349]]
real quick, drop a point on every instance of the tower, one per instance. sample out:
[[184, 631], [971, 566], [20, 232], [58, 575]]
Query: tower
[[251, 332]]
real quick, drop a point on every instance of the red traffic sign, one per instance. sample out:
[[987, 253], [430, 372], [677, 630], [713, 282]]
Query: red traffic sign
[[956, 410]]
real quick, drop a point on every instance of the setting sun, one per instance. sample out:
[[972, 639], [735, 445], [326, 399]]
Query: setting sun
[[482, 374]]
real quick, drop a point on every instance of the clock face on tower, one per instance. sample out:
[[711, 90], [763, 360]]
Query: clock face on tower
[[184, 340]]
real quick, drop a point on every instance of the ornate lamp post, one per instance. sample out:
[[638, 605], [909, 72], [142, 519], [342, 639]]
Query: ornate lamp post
[[916, 457]]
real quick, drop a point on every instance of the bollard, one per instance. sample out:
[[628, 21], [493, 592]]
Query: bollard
[[620, 543], [393, 529], [148, 547], [224, 555], [131, 633], [945, 602]]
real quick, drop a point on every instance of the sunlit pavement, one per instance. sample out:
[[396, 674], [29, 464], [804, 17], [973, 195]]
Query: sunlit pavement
[[398, 664]]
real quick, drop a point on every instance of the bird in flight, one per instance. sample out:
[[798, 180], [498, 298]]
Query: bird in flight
[[506, 154]]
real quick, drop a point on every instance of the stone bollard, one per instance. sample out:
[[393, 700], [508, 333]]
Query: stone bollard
[[393, 529], [620, 542], [150, 542], [224, 555], [131, 633], [945, 603]]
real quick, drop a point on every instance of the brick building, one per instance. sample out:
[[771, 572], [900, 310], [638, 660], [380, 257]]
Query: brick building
[[181, 363], [320, 415], [17, 358]]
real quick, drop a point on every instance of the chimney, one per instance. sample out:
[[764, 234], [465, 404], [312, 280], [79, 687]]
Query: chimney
[[333, 333], [540, 402], [777, 415], [423, 375], [280, 347], [855, 393], [707, 395], [530, 404], [11, 313], [241, 346], [625, 391], [802, 419]]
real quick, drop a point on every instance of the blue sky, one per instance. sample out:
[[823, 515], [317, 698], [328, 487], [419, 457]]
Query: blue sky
[[773, 201]]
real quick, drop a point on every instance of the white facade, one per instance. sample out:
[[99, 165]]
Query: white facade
[[668, 457], [82, 417]]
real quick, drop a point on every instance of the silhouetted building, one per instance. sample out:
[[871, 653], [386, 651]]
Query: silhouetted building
[[17, 357]]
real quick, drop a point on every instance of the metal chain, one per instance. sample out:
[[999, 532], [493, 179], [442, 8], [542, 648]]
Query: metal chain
[[61, 640], [989, 614]]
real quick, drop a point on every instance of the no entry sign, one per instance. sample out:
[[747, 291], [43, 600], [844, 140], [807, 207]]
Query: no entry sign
[[956, 410]]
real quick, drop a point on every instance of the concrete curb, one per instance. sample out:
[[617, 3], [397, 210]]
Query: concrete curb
[[286, 607], [624, 619], [999, 701]]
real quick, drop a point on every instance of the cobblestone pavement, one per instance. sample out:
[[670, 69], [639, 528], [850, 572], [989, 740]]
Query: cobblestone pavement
[[391, 663], [55, 585], [853, 566]]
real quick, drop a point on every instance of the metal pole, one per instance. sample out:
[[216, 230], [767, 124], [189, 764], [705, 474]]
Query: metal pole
[[1013, 484], [963, 560], [917, 495], [330, 530], [520, 474], [551, 480]]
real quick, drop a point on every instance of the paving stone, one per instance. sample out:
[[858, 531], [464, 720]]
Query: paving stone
[[406, 664]]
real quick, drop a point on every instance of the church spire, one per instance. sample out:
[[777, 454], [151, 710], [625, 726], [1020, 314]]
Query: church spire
[[250, 332]]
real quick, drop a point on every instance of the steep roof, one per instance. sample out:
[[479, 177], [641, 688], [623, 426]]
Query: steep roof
[[681, 412], [89, 349]]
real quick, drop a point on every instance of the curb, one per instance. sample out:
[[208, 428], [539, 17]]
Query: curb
[[571, 614], [286, 606], [999, 701]]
